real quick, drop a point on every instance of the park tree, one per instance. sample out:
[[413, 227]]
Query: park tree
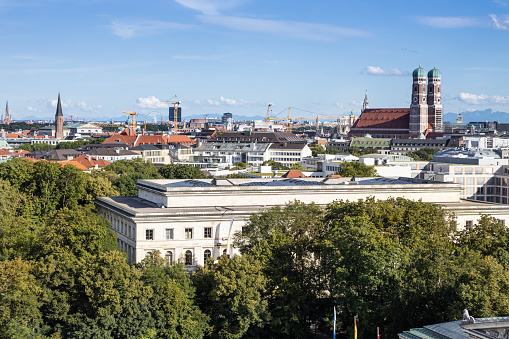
[[172, 303], [284, 241], [356, 169], [397, 254], [20, 316], [276, 166], [423, 154], [488, 237], [230, 292], [177, 171]]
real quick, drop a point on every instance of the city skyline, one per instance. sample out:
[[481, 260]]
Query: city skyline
[[241, 55]]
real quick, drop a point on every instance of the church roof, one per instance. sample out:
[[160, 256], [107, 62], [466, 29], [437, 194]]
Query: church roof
[[59, 108], [383, 118]]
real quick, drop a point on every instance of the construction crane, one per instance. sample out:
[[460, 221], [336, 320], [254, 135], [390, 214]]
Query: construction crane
[[268, 118], [132, 120], [175, 104]]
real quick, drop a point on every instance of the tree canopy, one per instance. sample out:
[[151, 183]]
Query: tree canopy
[[356, 169]]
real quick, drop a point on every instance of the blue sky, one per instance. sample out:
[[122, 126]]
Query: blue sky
[[107, 56]]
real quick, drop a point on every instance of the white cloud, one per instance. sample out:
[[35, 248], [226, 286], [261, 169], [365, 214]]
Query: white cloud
[[500, 24], [210, 7], [32, 109], [339, 105], [142, 28], [500, 3], [151, 102], [375, 70], [451, 21], [480, 99], [303, 30], [233, 102]]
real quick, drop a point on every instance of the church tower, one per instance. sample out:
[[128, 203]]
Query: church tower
[[435, 100], [365, 104], [419, 106], [59, 120]]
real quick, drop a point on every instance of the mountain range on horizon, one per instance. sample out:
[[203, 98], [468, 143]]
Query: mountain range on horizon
[[468, 116]]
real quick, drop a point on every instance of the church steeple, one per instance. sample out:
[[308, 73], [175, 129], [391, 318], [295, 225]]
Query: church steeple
[[365, 104], [59, 107], [59, 120]]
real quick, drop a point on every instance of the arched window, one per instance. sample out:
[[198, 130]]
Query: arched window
[[169, 257], [189, 258], [224, 251], [206, 254]]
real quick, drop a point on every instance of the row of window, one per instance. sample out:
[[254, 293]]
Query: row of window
[[188, 256], [188, 233]]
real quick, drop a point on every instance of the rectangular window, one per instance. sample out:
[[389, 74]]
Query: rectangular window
[[169, 233], [207, 232], [189, 233], [469, 224], [149, 234]]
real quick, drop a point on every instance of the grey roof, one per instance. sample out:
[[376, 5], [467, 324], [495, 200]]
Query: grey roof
[[452, 329], [289, 145], [110, 152], [382, 181], [249, 136], [285, 182], [231, 147], [145, 147], [462, 153], [190, 183]]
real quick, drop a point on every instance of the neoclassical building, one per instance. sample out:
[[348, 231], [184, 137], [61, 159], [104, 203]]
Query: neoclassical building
[[190, 220], [424, 116]]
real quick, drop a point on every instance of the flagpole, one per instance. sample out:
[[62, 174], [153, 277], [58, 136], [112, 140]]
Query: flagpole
[[377, 332], [229, 238], [355, 326], [334, 327]]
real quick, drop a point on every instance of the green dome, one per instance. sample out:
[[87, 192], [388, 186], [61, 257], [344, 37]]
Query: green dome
[[434, 73], [419, 72]]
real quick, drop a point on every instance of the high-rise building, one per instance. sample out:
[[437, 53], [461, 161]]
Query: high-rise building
[[172, 114]]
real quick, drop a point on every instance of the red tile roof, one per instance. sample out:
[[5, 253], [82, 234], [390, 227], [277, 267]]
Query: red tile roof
[[383, 118], [91, 162], [293, 174]]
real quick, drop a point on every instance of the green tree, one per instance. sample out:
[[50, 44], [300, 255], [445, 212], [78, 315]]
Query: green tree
[[423, 154], [37, 147], [176, 171], [78, 231], [20, 316], [488, 237], [19, 225], [98, 296], [356, 169], [410, 257], [79, 143], [284, 240], [276, 166], [171, 305], [240, 165], [316, 149], [230, 292]]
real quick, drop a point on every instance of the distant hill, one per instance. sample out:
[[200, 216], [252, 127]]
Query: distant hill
[[478, 116]]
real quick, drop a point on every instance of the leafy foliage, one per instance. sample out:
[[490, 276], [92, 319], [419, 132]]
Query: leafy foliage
[[424, 154], [276, 166], [356, 169], [176, 171], [230, 292]]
